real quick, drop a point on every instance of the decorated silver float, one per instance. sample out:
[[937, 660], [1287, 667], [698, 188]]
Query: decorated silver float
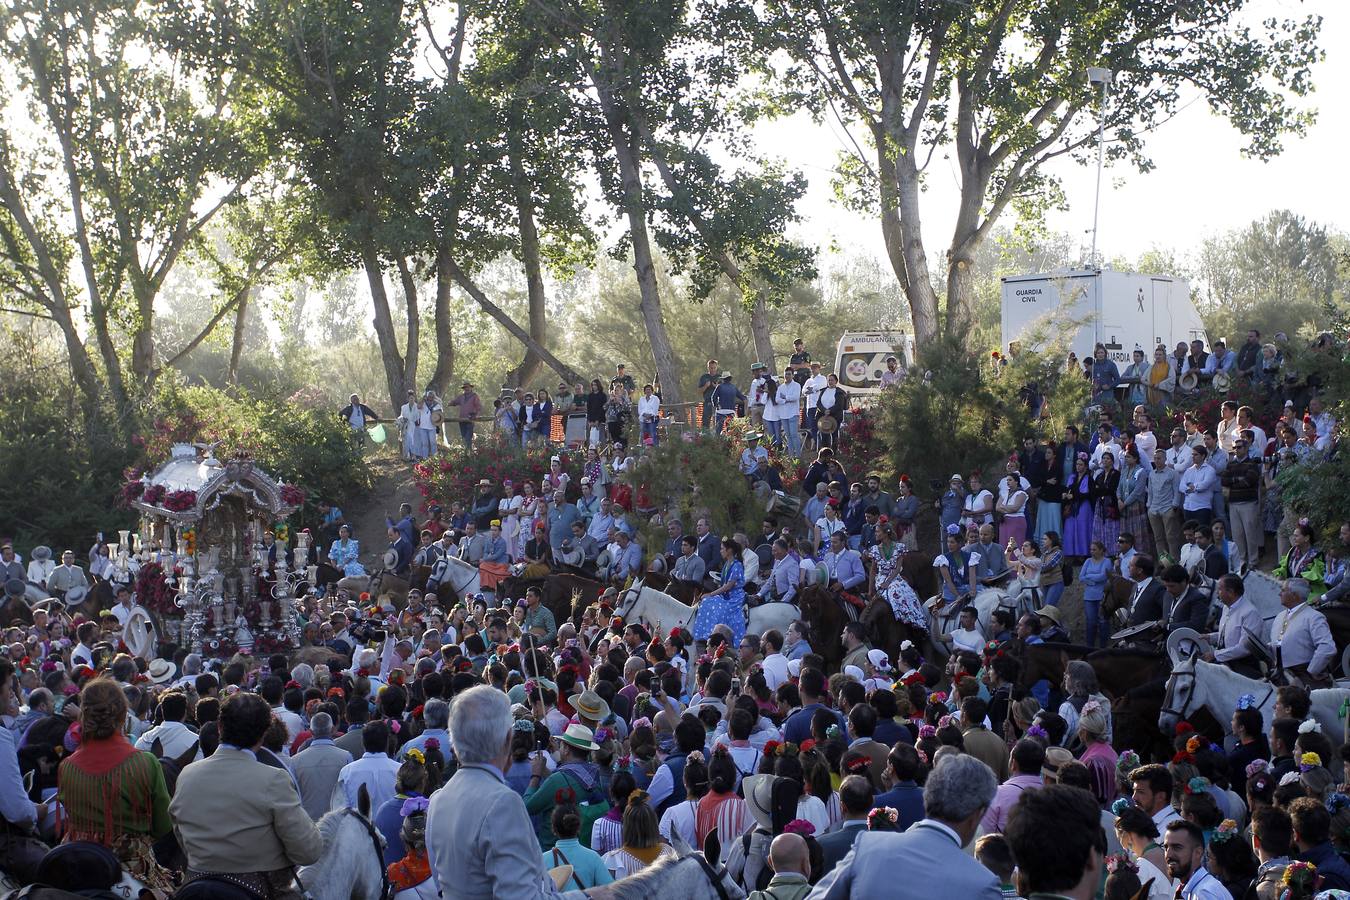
[[205, 571]]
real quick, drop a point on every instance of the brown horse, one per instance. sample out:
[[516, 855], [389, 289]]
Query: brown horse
[[885, 630], [1118, 670], [683, 591], [1119, 590], [825, 617], [917, 569], [558, 588], [15, 611]]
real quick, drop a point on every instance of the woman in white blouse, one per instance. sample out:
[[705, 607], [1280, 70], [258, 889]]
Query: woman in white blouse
[[649, 415], [978, 507], [827, 525]]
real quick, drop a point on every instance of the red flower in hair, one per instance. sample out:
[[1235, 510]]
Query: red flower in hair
[[1184, 727], [808, 744], [770, 748], [417, 711]]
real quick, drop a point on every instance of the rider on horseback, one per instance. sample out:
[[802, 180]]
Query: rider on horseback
[[957, 569]]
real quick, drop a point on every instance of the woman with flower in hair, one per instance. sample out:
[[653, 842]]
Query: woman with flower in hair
[[682, 818], [410, 876], [642, 843], [720, 808], [1122, 879], [588, 868], [1230, 858], [1078, 509], [410, 783]]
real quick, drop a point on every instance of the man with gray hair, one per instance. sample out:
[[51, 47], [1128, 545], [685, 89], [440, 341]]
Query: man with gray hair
[[317, 767], [435, 722], [479, 837], [1301, 637], [930, 853]]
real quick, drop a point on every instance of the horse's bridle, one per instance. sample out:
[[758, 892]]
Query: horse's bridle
[[714, 876], [1180, 713], [386, 887]]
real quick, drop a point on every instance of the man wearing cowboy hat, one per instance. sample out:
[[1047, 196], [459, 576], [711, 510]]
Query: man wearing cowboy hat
[[1052, 627], [66, 577], [468, 406], [725, 397], [41, 566]]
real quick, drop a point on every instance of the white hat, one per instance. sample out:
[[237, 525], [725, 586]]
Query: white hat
[[159, 670], [854, 672], [794, 668], [956, 478], [879, 660]]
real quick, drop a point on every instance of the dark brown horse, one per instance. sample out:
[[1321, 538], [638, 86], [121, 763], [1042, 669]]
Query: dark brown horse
[[15, 611], [885, 631], [825, 617], [559, 589], [1118, 670], [683, 591]]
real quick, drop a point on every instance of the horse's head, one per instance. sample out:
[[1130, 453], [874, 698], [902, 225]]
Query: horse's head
[[628, 600], [1179, 698]]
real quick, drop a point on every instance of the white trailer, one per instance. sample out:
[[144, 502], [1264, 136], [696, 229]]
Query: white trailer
[[860, 358], [1120, 310]]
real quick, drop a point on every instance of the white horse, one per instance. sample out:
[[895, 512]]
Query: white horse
[[1263, 592], [1195, 684], [352, 865], [462, 577], [985, 602], [688, 875], [659, 611]]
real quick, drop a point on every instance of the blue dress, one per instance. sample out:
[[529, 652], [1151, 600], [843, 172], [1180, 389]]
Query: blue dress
[[724, 609]]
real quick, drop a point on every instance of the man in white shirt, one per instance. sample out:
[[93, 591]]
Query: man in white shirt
[[1300, 635], [810, 394], [1239, 626], [124, 606], [374, 769], [775, 664], [1325, 422], [1179, 453], [967, 635], [1106, 443], [175, 738], [1244, 419], [1184, 850], [83, 653], [1152, 792], [789, 406], [1197, 488], [41, 566]]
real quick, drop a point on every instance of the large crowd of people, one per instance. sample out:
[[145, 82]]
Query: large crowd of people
[[502, 749]]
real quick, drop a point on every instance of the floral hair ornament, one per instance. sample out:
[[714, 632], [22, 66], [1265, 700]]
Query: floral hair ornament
[[1194, 745], [1119, 862], [1309, 761], [525, 726], [1122, 803], [1036, 731], [1127, 762], [416, 756], [1299, 875], [833, 733], [696, 756], [1337, 802], [906, 645], [642, 722], [937, 697], [413, 805], [927, 731], [1257, 767], [808, 745], [883, 818], [799, 826], [770, 747], [858, 764], [1227, 830], [923, 757], [1091, 706], [1184, 727], [1288, 778], [945, 721], [1197, 785], [1309, 726], [1247, 701]]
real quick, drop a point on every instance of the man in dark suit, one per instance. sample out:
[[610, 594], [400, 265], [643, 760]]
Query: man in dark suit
[[956, 795], [1188, 607], [1060, 850], [855, 796], [1147, 603], [905, 795]]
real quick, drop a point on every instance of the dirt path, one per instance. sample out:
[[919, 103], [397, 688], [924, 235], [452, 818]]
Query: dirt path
[[392, 484]]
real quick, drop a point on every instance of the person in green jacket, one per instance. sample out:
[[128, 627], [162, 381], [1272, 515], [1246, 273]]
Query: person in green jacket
[[1304, 560], [575, 772]]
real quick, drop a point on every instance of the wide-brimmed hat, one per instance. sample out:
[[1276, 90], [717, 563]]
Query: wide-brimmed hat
[[159, 671], [76, 595], [390, 558], [484, 482], [590, 705], [956, 477], [1055, 758], [759, 798], [1051, 613], [42, 551], [467, 384], [753, 436], [726, 376], [579, 736]]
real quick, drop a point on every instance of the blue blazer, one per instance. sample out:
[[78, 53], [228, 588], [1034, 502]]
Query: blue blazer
[[928, 857]]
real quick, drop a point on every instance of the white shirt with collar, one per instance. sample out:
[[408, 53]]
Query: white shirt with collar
[[1204, 886], [1234, 624], [775, 669], [1179, 458], [376, 771], [174, 740], [294, 725], [1303, 637], [39, 570], [1197, 487]]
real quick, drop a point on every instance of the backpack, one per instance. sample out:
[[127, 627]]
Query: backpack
[[592, 809]]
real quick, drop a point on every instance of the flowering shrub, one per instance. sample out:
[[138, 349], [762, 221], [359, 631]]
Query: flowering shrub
[[454, 476]]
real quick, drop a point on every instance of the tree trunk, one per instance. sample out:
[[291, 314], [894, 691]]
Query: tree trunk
[[923, 302], [413, 344], [143, 339], [534, 275], [296, 327], [237, 342], [471, 288], [635, 208], [759, 327], [445, 339], [384, 327]]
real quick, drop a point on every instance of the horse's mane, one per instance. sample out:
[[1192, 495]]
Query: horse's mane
[[331, 822], [638, 886]]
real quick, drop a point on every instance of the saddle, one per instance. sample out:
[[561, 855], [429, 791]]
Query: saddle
[[79, 866], [223, 887]]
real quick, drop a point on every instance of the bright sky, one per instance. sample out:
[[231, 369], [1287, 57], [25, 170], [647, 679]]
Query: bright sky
[[1202, 184]]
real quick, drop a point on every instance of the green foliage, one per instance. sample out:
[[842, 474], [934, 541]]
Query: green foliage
[[696, 476], [454, 475], [1318, 488]]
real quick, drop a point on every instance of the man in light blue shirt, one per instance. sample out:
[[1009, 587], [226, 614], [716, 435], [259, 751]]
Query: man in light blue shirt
[[844, 565], [782, 582], [627, 558], [601, 522], [1220, 360], [560, 518], [436, 719]]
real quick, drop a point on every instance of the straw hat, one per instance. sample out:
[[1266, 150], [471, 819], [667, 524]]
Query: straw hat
[[160, 671], [579, 736], [590, 705], [1051, 613], [759, 798]]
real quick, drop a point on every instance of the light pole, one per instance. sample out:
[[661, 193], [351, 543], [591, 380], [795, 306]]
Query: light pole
[[1099, 76]]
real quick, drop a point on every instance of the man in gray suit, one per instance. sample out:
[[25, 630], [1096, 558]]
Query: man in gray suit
[[929, 854], [316, 768], [479, 836]]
